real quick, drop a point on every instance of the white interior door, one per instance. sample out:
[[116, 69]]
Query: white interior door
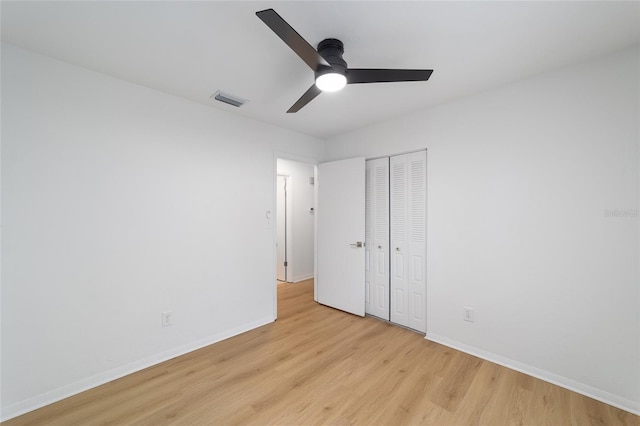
[[408, 182], [340, 227], [416, 238], [399, 247], [377, 238]]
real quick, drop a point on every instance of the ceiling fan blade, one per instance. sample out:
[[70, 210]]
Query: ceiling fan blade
[[363, 75], [308, 96], [292, 39]]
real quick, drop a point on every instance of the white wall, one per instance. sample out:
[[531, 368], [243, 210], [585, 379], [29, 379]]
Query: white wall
[[522, 183], [119, 203], [302, 192]]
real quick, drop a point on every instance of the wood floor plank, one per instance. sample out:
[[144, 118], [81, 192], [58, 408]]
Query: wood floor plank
[[481, 393], [317, 365], [461, 372]]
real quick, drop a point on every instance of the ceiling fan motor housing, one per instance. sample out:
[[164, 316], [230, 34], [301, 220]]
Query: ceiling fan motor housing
[[331, 50]]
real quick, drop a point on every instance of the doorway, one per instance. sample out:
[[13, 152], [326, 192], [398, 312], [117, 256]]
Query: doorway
[[295, 220]]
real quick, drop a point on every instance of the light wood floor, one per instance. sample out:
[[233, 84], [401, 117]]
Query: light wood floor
[[316, 365]]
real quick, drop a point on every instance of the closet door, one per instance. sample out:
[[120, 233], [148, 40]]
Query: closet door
[[408, 182], [399, 282], [417, 203], [377, 238]]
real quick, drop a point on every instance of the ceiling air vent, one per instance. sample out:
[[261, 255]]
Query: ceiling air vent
[[228, 99]]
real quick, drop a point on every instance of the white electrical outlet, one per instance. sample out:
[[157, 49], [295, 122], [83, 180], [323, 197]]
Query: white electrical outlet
[[467, 314], [167, 318]]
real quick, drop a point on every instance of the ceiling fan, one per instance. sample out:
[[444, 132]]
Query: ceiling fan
[[331, 71]]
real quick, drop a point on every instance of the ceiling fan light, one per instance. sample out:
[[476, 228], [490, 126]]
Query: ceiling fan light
[[331, 82]]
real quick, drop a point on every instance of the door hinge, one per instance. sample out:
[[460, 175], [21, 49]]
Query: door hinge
[[286, 263]]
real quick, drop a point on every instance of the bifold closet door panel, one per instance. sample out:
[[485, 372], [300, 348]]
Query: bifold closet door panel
[[399, 248], [416, 236], [377, 238], [408, 242]]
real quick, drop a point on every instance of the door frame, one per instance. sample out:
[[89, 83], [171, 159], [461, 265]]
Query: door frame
[[288, 230], [274, 255]]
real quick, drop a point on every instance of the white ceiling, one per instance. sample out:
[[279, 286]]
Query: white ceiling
[[192, 49]]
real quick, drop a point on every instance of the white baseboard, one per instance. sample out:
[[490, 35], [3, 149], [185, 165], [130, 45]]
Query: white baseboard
[[302, 277], [66, 391], [581, 388]]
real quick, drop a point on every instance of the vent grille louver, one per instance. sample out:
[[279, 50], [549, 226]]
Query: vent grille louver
[[235, 101]]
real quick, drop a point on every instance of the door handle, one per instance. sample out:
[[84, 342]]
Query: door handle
[[357, 244]]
